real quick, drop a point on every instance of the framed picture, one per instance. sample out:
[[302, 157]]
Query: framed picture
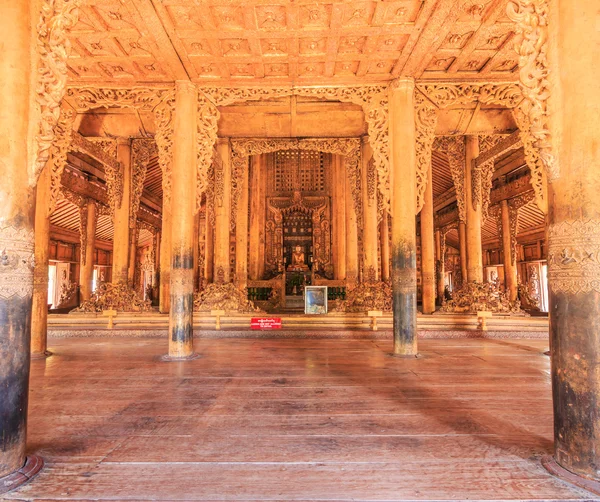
[[315, 300]]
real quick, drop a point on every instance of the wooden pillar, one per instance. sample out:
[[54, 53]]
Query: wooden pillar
[[509, 255], [164, 294], [440, 269], [222, 207], [574, 237], [385, 247], [462, 242], [120, 272], [258, 173], [156, 274], [339, 219], [370, 258], [133, 245], [17, 215], [403, 167], [209, 245], [351, 236], [86, 269], [474, 221], [39, 316], [427, 254], [241, 232], [196, 250], [181, 342]]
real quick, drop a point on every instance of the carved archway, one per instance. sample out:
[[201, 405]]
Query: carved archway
[[372, 98], [349, 148]]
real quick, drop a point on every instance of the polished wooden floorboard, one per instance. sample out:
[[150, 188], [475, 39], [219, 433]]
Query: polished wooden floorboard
[[293, 419]]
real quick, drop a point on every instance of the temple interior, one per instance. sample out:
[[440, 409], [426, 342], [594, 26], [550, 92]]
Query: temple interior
[[299, 250]]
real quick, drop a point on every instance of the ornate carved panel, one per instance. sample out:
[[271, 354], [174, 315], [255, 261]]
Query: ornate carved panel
[[454, 148], [58, 154], [16, 262], [143, 150], [57, 17]]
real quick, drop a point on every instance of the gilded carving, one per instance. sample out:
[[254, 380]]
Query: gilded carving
[[574, 256], [531, 18], [371, 294], [16, 262], [447, 94], [57, 17], [163, 115]]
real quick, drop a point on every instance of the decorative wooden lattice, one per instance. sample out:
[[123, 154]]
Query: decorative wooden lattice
[[299, 170]]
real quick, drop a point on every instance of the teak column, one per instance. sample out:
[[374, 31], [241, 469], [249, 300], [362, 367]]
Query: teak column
[[164, 293], [441, 266], [351, 235], [509, 255], [183, 178], [120, 266], [222, 207], [462, 243], [385, 247], [39, 315], [209, 245], [17, 213], [241, 232], [427, 254], [574, 237], [339, 218], [257, 216], [86, 267], [403, 166], [370, 258], [474, 221]]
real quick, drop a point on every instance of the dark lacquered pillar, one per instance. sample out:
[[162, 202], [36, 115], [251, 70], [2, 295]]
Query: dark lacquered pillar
[[183, 195], [17, 215], [403, 206], [574, 236]]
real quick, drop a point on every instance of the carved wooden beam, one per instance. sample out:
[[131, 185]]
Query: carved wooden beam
[[512, 142], [94, 150]]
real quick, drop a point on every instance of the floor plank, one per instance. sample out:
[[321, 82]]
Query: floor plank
[[304, 419]]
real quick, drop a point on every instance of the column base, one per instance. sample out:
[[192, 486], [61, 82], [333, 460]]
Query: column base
[[548, 353], [40, 355], [169, 359], [405, 356], [555, 469], [33, 465]]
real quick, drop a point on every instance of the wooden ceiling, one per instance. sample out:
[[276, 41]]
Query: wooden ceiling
[[224, 42]]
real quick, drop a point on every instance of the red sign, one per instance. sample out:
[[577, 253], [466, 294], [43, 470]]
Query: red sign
[[265, 323]]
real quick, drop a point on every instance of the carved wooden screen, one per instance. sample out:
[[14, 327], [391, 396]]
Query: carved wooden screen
[[298, 170], [297, 231]]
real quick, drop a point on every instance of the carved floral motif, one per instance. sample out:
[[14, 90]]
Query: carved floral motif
[[57, 17], [574, 256], [531, 17], [425, 123], [368, 295], [16, 262], [143, 150], [58, 154], [454, 148]]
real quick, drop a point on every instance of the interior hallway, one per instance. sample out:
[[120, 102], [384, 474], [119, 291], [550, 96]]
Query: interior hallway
[[296, 419]]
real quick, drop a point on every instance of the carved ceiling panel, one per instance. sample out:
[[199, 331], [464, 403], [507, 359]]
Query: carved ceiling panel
[[217, 42]]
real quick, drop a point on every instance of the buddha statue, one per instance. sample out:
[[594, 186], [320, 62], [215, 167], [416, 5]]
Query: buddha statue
[[298, 264]]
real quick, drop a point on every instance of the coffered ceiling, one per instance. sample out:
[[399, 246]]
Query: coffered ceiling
[[222, 42]]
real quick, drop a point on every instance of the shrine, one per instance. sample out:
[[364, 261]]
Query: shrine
[[299, 250]]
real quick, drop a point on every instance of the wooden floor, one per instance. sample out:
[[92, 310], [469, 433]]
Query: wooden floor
[[293, 419]]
